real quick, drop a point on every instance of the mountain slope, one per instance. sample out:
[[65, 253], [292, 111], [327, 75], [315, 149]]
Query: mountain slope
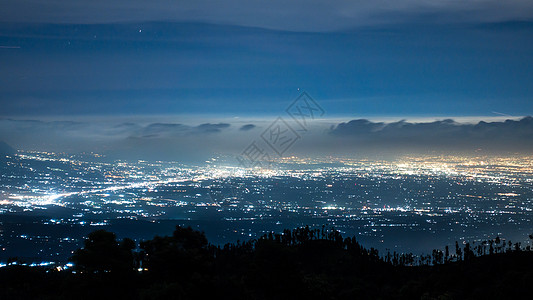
[[5, 150]]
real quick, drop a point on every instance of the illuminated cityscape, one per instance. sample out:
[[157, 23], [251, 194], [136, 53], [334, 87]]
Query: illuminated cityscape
[[50, 201]]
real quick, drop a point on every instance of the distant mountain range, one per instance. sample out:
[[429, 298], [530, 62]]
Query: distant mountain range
[[5, 150]]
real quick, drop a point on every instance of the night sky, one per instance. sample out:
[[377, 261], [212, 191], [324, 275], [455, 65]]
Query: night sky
[[243, 62]]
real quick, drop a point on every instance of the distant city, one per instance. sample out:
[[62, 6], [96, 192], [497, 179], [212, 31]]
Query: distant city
[[49, 202]]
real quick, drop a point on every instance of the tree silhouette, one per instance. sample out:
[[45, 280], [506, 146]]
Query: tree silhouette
[[181, 254], [458, 251], [302, 263], [103, 253]]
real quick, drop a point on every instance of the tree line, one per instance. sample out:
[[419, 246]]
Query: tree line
[[102, 252], [302, 263]]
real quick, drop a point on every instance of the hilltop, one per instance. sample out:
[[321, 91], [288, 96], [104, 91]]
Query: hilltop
[[297, 264], [5, 150]]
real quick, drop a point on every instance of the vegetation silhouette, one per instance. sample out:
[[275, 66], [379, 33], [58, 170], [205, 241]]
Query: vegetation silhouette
[[302, 263], [103, 253]]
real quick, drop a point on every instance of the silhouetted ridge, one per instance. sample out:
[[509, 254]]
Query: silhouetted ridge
[[302, 263], [6, 150]]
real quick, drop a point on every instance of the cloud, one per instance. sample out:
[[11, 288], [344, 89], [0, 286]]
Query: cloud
[[126, 140], [211, 128], [162, 130], [247, 127], [443, 135], [197, 143], [296, 15]]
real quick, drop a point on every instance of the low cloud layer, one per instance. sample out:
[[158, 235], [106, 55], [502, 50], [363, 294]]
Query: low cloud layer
[[197, 143], [447, 135], [172, 129], [247, 127], [128, 140]]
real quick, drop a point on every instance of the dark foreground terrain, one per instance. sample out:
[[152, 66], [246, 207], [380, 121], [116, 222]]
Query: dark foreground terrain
[[298, 264]]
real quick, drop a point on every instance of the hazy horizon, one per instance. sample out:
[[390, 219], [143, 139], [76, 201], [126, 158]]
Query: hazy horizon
[[154, 138]]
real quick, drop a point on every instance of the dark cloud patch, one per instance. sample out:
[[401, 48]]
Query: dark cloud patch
[[211, 128], [167, 130], [356, 127], [160, 129], [247, 127], [122, 129], [163, 126], [509, 135]]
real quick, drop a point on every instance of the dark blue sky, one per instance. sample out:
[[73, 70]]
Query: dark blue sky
[[113, 72], [192, 68]]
